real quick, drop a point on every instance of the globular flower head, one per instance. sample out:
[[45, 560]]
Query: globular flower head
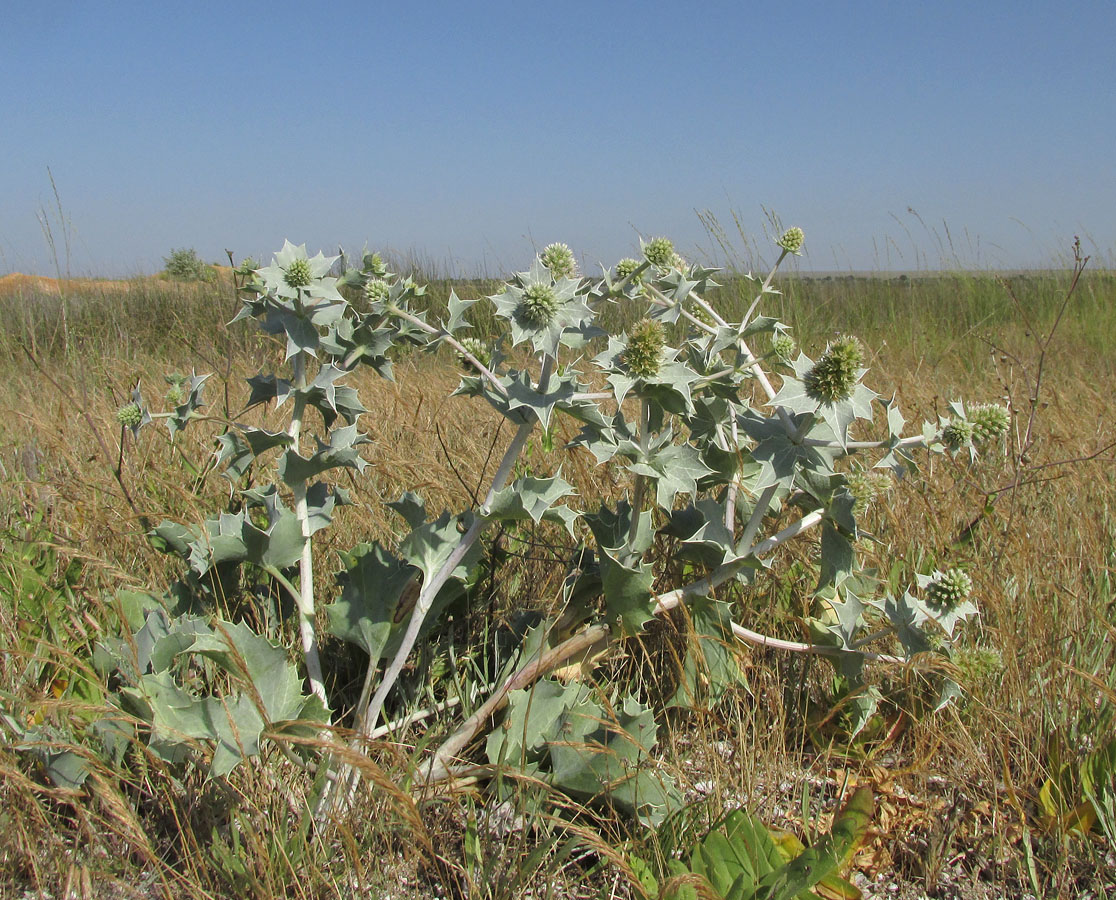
[[538, 305], [989, 421], [626, 267], [958, 434], [792, 240], [376, 289], [130, 415], [660, 252], [833, 377], [560, 260], [644, 350], [782, 344], [298, 274], [949, 589], [478, 349], [866, 488]]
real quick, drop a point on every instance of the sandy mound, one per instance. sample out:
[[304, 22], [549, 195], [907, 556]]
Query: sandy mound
[[17, 283]]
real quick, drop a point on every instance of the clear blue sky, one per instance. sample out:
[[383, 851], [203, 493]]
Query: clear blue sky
[[473, 133]]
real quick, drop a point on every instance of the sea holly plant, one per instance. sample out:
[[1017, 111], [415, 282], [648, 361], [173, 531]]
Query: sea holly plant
[[724, 454]]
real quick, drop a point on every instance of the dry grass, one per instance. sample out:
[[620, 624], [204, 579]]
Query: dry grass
[[956, 791]]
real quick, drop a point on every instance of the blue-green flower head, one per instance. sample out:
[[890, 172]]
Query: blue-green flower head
[[660, 252], [949, 589], [294, 275], [376, 289], [298, 273], [866, 488], [792, 240], [834, 376], [130, 415], [782, 345], [560, 260], [958, 434], [479, 351], [625, 267], [643, 351], [537, 305]]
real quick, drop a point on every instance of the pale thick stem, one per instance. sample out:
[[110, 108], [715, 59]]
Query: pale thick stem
[[766, 284], [306, 612], [913, 441], [640, 485], [708, 307], [762, 640], [734, 486]]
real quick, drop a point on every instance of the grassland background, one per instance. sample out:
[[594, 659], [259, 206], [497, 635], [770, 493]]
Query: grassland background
[[957, 790]]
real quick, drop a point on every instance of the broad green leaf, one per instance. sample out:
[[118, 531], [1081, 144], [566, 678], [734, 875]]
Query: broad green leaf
[[709, 667], [678, 468], [532, 718], [372, 585], [595, 756]]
